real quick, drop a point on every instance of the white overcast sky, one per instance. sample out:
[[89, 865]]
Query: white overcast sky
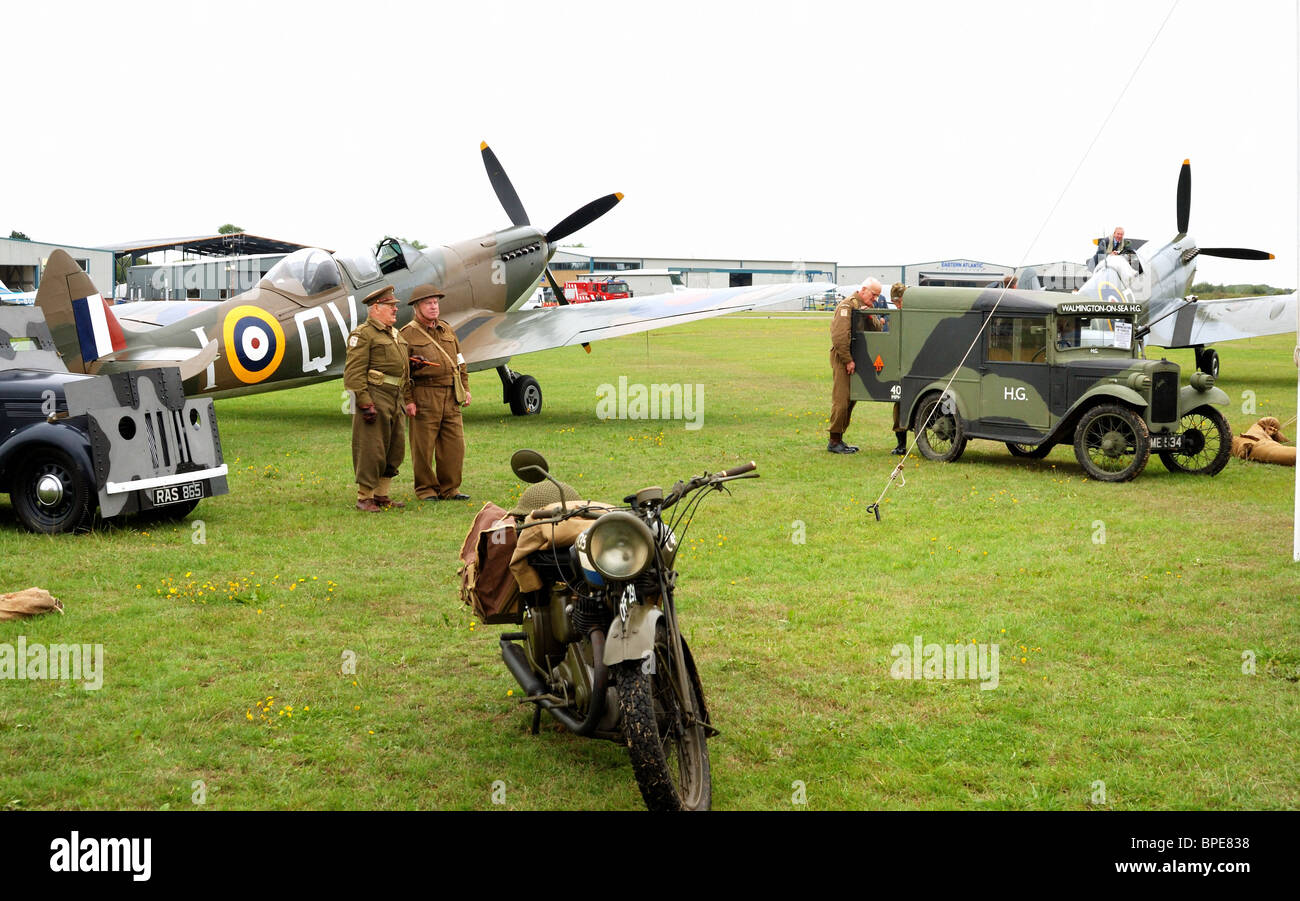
[[858, 133]]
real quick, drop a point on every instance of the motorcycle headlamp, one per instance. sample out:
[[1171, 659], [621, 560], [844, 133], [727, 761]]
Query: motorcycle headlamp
[[620, 546]]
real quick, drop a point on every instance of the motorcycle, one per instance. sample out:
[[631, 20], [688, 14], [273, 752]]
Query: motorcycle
[[601, 649]]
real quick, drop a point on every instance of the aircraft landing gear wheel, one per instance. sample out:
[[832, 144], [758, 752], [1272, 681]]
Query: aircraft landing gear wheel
[[939, 433], [1207, 360], [1207, 443], [50, 494], [525, 396], [1112, 443], [1031, 451]]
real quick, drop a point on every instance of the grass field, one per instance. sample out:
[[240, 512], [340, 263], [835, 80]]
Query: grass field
[[1124, 613]]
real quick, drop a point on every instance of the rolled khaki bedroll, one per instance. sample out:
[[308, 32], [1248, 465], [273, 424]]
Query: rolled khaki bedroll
[[1264, 443]]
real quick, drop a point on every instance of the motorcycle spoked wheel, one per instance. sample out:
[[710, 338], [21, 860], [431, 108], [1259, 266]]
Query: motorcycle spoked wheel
[[669, 756]]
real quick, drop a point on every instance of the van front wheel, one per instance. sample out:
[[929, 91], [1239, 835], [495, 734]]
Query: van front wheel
[[1112, 443]]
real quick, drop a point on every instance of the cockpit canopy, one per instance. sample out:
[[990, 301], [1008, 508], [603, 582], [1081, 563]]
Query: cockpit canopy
[[304, 273], [393, 254]]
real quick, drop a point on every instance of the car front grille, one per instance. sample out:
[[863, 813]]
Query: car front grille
[[1164, 396]]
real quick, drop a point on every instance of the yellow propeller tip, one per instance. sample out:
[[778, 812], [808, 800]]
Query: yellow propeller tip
[[618, 195], [482, 145], [1187, 162], [1271, 257]]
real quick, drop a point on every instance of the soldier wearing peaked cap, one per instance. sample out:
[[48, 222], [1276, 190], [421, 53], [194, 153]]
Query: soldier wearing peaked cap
[[376, 372], [441, 382]]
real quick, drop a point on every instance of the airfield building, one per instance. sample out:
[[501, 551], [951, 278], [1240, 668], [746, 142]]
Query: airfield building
[[21, 262]]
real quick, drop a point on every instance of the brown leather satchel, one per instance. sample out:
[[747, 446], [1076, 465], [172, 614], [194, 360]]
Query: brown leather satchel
[[486, 583]]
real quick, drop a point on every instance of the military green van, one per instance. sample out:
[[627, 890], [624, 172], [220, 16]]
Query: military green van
[[1032, 370]]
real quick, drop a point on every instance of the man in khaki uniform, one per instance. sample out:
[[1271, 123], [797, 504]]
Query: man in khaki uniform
[[441, 389], [842, 362], [377, 373]]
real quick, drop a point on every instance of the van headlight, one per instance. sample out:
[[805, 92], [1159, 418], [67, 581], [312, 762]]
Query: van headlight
[[620, 546]]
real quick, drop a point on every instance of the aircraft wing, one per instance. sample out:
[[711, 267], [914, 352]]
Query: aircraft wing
[[492, 336], [1226, 319]]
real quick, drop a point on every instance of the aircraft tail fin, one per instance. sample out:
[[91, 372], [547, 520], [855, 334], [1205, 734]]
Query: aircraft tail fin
[[80, 320]]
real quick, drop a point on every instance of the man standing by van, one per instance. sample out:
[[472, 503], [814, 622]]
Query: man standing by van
[[842, 362]]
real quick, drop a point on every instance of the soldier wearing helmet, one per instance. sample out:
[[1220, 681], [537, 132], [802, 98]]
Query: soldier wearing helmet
[[441, 382]]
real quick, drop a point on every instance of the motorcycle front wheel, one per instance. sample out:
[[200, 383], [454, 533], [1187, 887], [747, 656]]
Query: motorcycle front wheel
[[668, 747]]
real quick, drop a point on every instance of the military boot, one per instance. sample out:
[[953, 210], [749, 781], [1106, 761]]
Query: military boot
[[384, 500], [902, 444], [368, 505]]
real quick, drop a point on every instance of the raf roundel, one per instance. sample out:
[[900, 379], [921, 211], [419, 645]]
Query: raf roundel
[[254, 343], [1108, 293]]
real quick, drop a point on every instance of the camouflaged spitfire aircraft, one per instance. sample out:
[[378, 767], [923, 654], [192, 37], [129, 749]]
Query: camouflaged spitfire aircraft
[[1161, 278], [291, 328]]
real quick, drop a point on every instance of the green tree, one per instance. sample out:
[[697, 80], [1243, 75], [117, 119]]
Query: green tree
[[19, 236], [229, 229]]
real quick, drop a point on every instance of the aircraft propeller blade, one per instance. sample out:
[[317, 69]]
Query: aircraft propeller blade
[[559, 296], [505, 190], [582, 217], [1185, 197], [1236, 253], [555, 288]]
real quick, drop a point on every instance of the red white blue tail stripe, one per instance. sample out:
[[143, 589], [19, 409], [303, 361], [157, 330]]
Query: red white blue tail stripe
[[97, 328]]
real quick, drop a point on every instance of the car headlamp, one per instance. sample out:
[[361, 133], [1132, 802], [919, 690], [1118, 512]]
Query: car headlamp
[[620, 546], [1202, 381]]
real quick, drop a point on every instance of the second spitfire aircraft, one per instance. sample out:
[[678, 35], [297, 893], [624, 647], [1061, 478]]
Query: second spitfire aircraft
[[291, 328], [1162, 277]]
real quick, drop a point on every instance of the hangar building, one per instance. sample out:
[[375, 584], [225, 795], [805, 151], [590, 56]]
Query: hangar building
[[21, 263]]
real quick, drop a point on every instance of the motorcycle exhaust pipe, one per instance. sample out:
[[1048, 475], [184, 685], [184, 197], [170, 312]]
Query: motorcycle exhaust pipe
[[531, 683], [517, 663]]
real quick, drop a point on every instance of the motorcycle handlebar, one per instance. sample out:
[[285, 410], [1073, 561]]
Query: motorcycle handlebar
[[681, 489], [739, 470]]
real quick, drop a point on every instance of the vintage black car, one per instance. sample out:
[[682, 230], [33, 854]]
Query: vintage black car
[[124, 443]]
